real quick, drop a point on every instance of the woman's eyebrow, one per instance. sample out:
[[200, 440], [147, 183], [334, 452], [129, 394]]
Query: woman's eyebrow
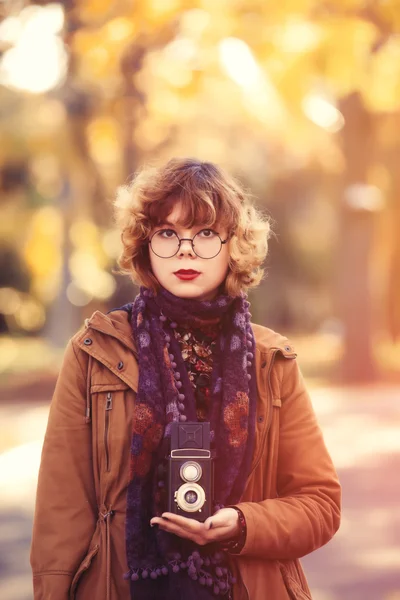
[[177, 225], [167, 223]]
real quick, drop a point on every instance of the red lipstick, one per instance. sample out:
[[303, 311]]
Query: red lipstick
[[186, 274]]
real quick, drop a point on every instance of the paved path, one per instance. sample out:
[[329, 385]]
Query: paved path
[[362, 432]]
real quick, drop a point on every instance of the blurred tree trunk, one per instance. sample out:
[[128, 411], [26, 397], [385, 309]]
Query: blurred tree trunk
[[82, 192], [63, 318], [284, 273], [132, 102], [393, 291], [356, 229]]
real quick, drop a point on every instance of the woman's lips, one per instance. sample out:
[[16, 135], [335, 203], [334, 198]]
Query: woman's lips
[[187, 275]]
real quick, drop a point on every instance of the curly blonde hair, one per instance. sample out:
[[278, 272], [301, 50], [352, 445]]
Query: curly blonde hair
[[208, 195]]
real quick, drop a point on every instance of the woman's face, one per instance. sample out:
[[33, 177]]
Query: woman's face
[[211, 272]]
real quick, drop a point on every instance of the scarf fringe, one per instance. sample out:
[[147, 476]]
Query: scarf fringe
[[207, 570]]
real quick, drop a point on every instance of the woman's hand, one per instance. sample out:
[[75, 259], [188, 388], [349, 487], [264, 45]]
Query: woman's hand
[[222, 526]]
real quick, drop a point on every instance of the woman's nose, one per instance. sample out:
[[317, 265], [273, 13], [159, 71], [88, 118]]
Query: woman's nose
[[186, 247]]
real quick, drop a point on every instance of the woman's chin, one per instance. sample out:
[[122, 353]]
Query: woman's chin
[[189, 289]]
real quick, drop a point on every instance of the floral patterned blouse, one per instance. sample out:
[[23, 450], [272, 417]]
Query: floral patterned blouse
[[197, 346]]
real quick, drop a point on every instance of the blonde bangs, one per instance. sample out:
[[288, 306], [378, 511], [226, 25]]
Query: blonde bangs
[[197, 208]]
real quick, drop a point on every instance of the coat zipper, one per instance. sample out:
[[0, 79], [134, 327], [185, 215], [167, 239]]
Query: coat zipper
[[106, 428], [271, 364], [247, 591], [265, 433], [107, 520]]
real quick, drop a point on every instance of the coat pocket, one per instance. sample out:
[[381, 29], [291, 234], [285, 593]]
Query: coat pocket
[[83, 567], [110, 408], [293, 586]]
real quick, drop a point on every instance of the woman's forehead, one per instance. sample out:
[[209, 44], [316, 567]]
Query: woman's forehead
[[177, 215]]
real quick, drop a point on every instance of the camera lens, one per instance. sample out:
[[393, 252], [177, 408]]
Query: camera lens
[[191, 497]]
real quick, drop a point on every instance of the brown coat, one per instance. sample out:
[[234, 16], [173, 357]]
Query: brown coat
[[291, 501]]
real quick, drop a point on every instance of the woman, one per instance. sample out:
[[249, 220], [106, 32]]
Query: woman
[[183, 352]]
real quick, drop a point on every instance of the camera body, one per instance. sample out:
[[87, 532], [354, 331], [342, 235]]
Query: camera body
[[190, 471]]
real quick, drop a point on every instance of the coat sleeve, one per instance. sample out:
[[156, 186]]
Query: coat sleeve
[[65, 511], [306, 513]]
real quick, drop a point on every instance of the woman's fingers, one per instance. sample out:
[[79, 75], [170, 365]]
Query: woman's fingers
[[190, 524], [175, 529], [225, 517], [182, 527], [220, 526], [208, 523]]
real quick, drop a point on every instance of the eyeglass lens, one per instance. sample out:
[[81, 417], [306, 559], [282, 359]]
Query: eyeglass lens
[[206, 243]]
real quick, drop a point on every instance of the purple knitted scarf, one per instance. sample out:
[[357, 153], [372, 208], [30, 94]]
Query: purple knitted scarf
[[161, 565]]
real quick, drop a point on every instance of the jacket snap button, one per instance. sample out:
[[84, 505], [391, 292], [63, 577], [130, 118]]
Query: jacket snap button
[[87, 342], [263, 365], [120, 365], [287, 348], [260, 419]]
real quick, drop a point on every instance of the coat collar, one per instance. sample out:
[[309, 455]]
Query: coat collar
[[116, 325]]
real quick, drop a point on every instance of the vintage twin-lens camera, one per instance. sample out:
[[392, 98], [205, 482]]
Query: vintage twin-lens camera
[[190, 490]]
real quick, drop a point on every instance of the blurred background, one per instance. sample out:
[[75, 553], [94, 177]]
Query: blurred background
[[300, 99]]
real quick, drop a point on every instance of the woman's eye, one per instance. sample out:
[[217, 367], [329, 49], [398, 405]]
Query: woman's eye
[[207, 233], [167, 233]]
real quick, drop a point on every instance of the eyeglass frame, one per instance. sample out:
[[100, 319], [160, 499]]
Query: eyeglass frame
[[180, 240]]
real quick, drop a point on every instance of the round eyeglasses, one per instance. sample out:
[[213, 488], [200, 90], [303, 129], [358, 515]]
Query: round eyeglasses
[[165, 243]]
